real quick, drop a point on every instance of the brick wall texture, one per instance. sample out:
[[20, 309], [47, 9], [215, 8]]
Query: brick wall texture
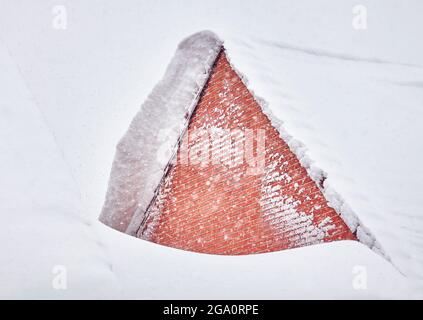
[[235, 187]]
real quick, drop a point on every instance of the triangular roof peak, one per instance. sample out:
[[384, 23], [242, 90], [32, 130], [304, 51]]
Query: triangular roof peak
[[145, 158]]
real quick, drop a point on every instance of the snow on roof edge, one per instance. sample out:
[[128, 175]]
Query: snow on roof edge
[[319, 176], [143, 152]]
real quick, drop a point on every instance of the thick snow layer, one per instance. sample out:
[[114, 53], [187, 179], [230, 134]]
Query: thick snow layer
[[157, 272], [144, 152], [352, 97]]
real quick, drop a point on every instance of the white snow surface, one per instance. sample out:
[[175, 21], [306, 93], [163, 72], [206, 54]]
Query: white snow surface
[[150, 142], [353, 98]]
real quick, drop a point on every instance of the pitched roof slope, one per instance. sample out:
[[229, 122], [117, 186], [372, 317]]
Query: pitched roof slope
[[143, 154], [235, 187]]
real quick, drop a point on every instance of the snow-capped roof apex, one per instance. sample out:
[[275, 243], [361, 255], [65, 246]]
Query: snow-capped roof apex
[[205, 38]]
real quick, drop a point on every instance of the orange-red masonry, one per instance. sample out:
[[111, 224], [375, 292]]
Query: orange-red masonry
[[227, 199]]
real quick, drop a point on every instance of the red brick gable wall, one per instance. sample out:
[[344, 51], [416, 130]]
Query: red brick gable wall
[[236, 187]]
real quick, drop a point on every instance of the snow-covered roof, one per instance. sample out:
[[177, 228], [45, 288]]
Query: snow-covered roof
[[352, 97], [144, 152]]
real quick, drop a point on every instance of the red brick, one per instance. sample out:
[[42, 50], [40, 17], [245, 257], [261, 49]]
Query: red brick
[[233, 215]]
